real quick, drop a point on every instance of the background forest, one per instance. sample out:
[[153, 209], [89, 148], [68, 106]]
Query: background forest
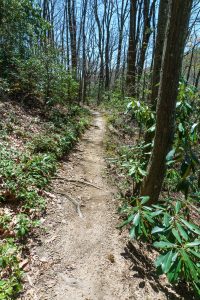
[[139, 62]]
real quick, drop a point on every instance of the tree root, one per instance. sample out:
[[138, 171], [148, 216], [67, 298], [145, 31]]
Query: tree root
[[78, 181], [76, 203]]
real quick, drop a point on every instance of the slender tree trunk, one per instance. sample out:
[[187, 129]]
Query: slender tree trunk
[[72, 30], [190, 64], [197, 80], [162, 22], [108, 8], [84, 65], [100, 46], [171, 66], [62, 39], [147, 15], [107, 57], [121, 15], [119, 53], [67, 37], [132, 50]]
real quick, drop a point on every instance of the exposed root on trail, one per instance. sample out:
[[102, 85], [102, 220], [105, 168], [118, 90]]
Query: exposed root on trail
[[75, 202], [78, 181]]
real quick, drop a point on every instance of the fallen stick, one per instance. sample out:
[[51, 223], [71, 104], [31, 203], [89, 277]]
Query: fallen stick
[[78, 181], [76, 203]]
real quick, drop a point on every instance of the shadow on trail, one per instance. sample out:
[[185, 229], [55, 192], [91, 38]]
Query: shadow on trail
[[144, 269]]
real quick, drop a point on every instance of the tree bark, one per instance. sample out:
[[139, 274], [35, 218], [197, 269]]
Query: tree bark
[[171, 66], [108, 8], [121, 15], [84, 64], [197, 80], [162, 22], [132, 50], [100, 46], [72, 30], [147, 15]]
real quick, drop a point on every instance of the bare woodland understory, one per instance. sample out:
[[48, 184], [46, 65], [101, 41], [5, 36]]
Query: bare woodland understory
[[99, 137]]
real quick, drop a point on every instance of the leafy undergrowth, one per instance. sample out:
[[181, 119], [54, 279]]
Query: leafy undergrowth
[[170, 228], [29, 157]]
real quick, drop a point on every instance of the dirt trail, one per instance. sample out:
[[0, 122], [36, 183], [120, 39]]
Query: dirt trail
[[80, 258]]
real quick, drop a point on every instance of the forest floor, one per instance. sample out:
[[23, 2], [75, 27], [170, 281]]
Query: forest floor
[[81, 254]]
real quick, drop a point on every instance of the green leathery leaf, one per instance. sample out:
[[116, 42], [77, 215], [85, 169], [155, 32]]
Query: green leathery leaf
[[156, 213], [173, 273], [159, 260], [189, 263], [177, 236], [193, 244], [197, 254], [166, 220], [163, 244], [136, 219], [170, 155], [144, 228], [142, 172], [130, 218], [144, 199], [193, 127], [182, 231], [157, 229], [152, 128], [178, 207], [167, 262], [147, 208], [132, 233], [148, 217], [191, 226], [180, 127]]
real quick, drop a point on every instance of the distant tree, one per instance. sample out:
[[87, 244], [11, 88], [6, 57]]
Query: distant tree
[[148, 9], [121, 19], [71, 5], [100, 49], [132, 48]]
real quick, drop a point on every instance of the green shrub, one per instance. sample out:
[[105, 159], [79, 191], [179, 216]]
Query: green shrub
[[24, 225], [11, 274], [176, 238], [44, 144]]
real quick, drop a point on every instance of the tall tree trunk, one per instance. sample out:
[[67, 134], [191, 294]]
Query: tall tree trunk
[[108, 8], [147, 15], [121, 15], [162, 22], [72, 30], [171, 66], [132, 50], [84, 64], [100, 46], [67, 37], [197, 80], [119, 53], [192, 52], [107, 58]]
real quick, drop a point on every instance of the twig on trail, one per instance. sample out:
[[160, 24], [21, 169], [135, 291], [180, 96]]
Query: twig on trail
[[78, 181], [95, 126], [76, 203]]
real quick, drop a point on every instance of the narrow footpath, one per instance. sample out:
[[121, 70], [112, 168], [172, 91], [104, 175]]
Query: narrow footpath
[[80, 253]]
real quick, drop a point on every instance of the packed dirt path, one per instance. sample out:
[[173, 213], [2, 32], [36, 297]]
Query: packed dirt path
[[79, 255]]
